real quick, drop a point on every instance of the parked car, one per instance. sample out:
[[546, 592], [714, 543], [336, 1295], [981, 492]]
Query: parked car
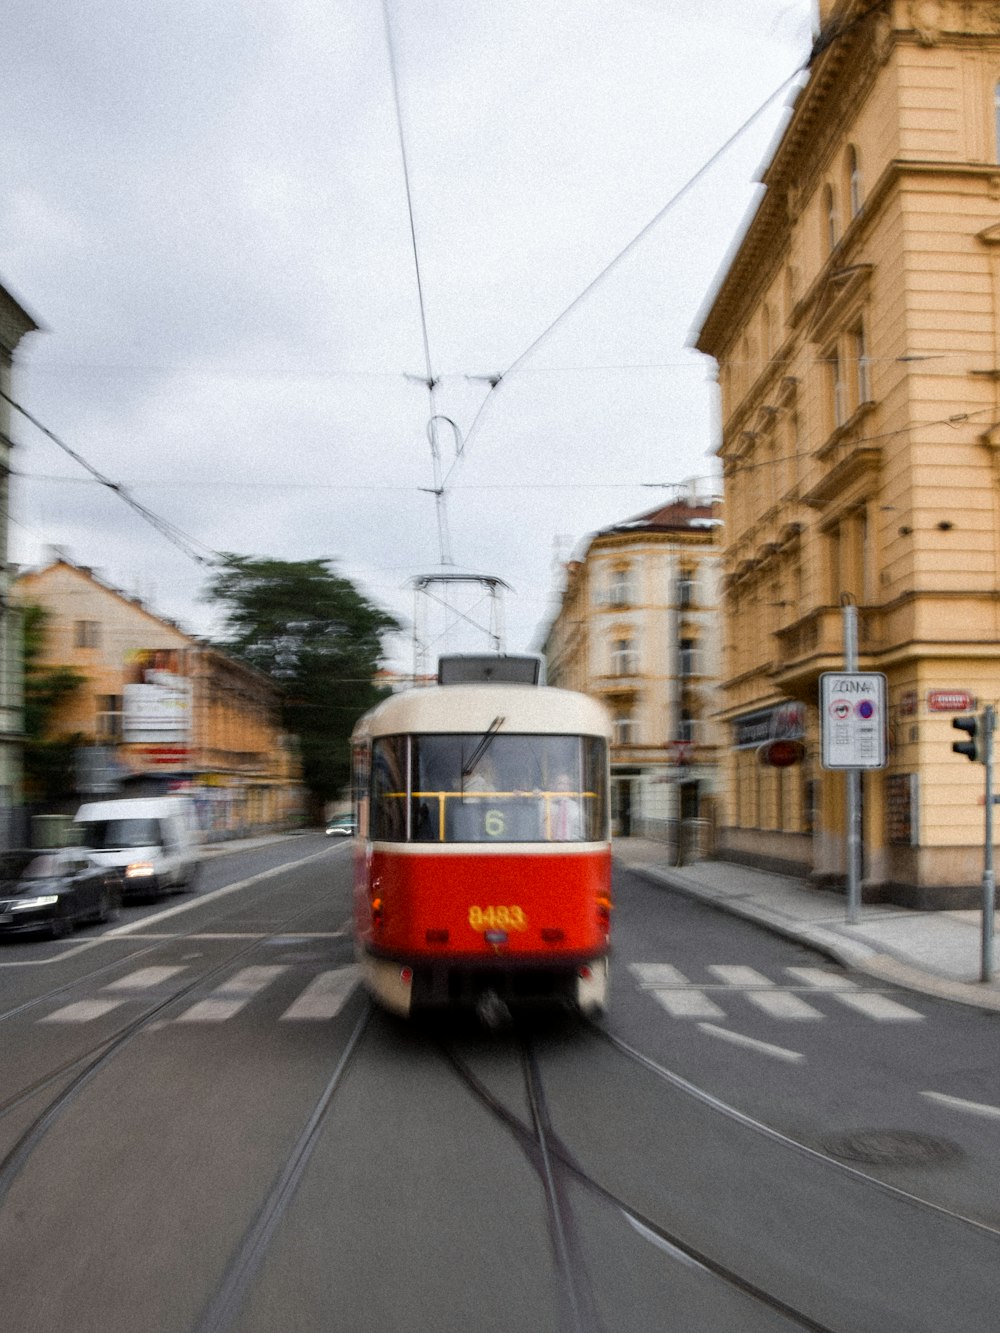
[[341, 827], [53, 890]]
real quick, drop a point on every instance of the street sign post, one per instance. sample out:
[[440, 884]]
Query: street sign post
[[852, 712]]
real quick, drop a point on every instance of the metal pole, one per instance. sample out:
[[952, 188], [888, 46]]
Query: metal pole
[[853, 776], [989, 883]]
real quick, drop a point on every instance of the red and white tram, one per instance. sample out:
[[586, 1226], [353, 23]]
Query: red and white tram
[[483, 857]]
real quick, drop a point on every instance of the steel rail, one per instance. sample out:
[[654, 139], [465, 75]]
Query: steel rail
[[666, 1240]]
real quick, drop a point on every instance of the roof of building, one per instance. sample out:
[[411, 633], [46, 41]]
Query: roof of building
[[677, 516], [27, 577]]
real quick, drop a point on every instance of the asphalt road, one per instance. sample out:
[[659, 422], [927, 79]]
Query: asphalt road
[[205, 1126]]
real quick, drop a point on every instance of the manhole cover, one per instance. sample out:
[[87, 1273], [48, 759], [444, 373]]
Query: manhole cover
[[892, 1147]]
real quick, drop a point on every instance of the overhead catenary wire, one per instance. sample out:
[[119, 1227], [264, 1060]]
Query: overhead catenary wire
[[834, 33], [637, 239], [169, 530], [438, 489]]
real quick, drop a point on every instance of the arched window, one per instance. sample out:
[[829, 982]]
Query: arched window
[[853, 180], [791, 292], [831, 220]]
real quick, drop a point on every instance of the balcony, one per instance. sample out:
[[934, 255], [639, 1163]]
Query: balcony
[[623, 685], [815, 644]]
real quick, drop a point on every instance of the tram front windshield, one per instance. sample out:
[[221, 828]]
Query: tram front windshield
[[489, 788]]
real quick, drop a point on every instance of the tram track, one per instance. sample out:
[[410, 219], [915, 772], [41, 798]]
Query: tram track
[[556, 1166], [89, 1063], [692, 1091], [225, 1305], [127, 959]]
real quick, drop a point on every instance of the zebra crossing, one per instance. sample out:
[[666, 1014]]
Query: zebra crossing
[[322, 999], [796, 998], [783, 1000]]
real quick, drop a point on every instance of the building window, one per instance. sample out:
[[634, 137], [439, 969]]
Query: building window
[[620, 587], [996, 119], [109, 717], [831, 220], [853, 180], [625, 729], [836, 396], [685, 726], [685, 588], [862, 364], [687, 661], [623, 658], [86, 634]]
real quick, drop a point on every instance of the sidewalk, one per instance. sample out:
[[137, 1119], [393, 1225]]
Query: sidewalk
[[938, 953]]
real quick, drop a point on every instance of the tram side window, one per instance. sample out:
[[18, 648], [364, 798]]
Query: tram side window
[[595, 779], [388, 779]]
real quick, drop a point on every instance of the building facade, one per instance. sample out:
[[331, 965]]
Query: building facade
[[638, 627], [162, 712], [857, 334], [15, 324]]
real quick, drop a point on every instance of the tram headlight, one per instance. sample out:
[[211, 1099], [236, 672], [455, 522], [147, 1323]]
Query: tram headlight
[[139, 870]]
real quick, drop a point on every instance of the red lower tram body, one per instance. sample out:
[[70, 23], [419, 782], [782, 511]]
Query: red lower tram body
[[451, 925]]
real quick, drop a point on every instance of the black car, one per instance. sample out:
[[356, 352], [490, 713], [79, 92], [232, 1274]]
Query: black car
[[51, 891]]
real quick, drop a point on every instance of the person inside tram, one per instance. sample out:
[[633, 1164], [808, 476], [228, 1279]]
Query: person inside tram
[[483, 777], [565, 811]]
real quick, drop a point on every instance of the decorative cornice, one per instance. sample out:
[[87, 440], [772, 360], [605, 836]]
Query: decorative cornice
[[15, 322]]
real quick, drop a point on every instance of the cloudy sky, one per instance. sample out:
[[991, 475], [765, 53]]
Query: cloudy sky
[[204, 207]]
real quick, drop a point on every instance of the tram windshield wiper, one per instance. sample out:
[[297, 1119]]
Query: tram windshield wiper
[[485, 741]]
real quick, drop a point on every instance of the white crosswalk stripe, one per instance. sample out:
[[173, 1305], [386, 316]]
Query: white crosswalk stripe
[[83, 1011], [849, 993], [683, 998], [145, 978], [229, 998], [671, 988], [325, 995], [778, 1003]]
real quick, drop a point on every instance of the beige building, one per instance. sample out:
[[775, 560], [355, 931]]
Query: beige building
[[637, 627], [162, 711], [857, 332]]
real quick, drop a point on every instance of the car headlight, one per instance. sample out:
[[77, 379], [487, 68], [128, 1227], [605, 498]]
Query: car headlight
[[138, 870], [25, 904]]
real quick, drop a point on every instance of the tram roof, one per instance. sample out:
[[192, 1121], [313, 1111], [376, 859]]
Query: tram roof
[[536, 709]]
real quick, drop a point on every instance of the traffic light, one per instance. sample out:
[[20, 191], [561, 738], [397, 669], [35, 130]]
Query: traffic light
[[973, 747]]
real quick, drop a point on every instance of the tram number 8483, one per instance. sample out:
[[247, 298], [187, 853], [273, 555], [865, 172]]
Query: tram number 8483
[[493, 918]]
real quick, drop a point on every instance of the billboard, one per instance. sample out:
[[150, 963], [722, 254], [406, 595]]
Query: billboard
[[158, 710]]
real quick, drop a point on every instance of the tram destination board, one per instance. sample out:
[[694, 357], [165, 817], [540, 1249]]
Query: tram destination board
[[852, 711]]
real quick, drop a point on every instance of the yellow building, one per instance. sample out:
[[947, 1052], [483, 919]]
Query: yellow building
[[637, 627], [163, 712], [857, 332]]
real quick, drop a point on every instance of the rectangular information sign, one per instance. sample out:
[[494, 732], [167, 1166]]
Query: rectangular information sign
[[852, 719]]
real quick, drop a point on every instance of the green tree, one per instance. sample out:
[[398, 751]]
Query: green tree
[[48, 758], [319, 640]]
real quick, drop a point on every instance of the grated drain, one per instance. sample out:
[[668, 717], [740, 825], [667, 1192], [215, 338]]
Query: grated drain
[[892, 1147]]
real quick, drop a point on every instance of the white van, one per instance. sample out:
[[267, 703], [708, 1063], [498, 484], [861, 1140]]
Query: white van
[[153, 841]]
